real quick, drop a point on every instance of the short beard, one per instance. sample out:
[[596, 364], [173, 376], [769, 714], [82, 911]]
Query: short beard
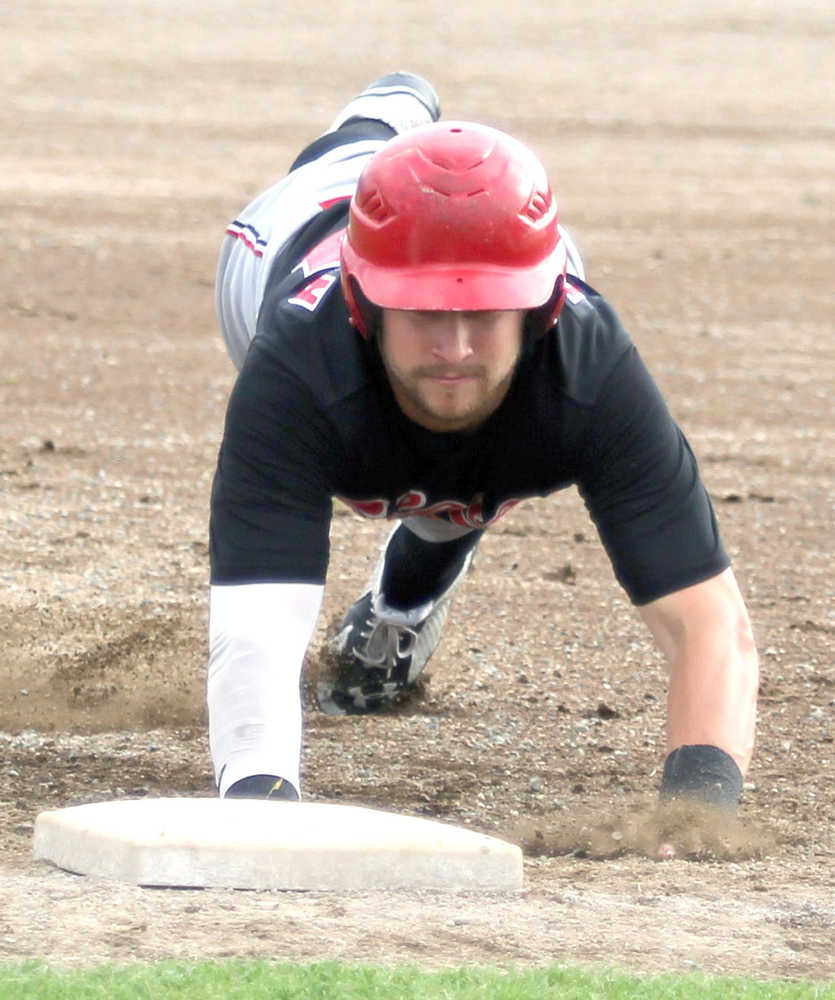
[[416, 409]]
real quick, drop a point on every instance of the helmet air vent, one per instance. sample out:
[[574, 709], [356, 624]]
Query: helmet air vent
[[538, 206], [374, 206]]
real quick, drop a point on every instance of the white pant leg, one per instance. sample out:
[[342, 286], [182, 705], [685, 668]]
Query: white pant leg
[[258, 234], [434, 529], [575, 261]]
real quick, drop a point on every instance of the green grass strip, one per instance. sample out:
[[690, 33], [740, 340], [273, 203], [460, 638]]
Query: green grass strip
[[332, 981]]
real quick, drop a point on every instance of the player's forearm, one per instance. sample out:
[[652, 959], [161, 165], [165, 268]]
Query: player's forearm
[[713, 695], [258, 635], [705, 633]]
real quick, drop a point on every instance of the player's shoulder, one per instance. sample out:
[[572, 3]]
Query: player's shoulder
[[588, 342], [303, 325], [305, 269], [589, 328]]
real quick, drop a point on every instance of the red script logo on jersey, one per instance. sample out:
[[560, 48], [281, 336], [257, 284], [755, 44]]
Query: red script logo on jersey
[[467, 515]]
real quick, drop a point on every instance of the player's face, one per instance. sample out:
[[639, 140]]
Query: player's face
[[450, 370]]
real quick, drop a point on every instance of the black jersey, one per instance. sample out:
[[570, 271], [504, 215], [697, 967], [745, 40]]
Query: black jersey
[[312, 417]]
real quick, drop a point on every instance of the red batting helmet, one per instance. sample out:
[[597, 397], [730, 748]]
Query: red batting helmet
[[453, 216]]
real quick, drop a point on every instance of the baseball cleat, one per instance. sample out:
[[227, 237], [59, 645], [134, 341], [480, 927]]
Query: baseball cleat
[[401, 100], [380, 652]]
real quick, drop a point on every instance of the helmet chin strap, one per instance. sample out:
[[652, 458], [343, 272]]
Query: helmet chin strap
[[540, 320], [365, 317]]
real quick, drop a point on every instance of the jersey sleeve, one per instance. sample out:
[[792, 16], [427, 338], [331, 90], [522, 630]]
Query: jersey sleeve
[[641, 485], [271, 497]]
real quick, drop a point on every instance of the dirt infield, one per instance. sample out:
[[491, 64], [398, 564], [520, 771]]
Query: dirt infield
[[693, 156]]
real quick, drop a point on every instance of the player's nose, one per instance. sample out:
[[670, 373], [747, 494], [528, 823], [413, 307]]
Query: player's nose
[[453, 340]]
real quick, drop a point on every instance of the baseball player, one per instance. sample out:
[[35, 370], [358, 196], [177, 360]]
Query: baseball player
[[414, 336]]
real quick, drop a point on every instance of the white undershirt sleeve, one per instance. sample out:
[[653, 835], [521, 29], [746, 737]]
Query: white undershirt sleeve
[[258, 635]]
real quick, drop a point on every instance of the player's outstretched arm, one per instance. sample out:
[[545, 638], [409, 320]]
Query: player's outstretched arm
[[258, 635], [705, 633]]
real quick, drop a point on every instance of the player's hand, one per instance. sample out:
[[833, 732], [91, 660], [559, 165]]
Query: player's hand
[[688, 828], [666, 851]]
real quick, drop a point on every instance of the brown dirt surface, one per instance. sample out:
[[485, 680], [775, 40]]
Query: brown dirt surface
[[692, 151]]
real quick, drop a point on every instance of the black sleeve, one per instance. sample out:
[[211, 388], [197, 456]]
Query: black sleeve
[[641, 485], [353, 130], [271, 498]]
